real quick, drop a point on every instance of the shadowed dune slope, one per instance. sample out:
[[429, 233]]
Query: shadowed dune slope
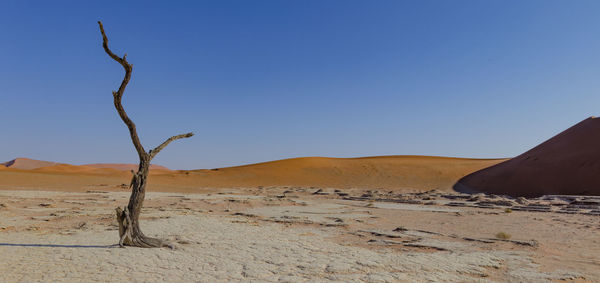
[[568, 163], [399, 173]]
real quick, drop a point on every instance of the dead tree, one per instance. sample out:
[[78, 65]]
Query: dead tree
[[128, 217]]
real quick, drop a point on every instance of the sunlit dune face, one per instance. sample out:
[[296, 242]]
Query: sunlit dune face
[[385, 172]]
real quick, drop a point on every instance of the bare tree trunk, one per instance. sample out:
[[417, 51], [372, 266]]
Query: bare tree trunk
[[130, 233]]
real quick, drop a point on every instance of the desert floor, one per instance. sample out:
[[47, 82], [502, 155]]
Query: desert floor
[[297, 234]]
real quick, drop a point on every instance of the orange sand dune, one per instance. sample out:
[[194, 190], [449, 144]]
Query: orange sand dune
[[67, 168], [386, 172], [124, 167], [28, 164], [568, 163], [399, 173]]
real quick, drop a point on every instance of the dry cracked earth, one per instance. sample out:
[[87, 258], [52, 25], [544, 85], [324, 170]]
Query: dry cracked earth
[[292, 234]]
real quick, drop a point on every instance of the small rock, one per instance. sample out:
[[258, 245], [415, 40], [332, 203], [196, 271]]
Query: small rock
[[338, 267], [81, 225], [320, 192]]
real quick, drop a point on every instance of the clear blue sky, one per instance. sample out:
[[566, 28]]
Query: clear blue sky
[[264, 80]]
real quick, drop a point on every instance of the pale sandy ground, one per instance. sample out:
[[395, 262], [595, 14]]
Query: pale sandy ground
[[288, 234]]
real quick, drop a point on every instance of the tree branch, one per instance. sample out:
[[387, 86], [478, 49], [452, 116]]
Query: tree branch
[[155, 151], [117, 95]]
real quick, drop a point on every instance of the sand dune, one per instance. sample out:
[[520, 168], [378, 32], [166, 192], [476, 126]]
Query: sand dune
[[67, 168], [123, 167], [568, 163], [26, 163], [29, 164], [385, 172]]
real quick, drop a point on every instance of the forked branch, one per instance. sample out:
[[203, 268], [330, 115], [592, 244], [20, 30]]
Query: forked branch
[[154, 152], [128, 218], [117, 95]]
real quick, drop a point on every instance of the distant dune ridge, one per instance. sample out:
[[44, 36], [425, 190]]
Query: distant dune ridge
[[398, 173], [30, 164], [568, 163], [124, 167], [27, 164]]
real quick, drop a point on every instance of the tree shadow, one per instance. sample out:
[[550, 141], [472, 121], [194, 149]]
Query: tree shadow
[[59, 246]]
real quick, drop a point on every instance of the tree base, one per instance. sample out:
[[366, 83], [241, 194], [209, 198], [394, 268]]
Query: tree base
[[131, 235]]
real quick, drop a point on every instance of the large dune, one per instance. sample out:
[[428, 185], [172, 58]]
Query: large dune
[[399, 173], [568, 163], [386, 172]]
